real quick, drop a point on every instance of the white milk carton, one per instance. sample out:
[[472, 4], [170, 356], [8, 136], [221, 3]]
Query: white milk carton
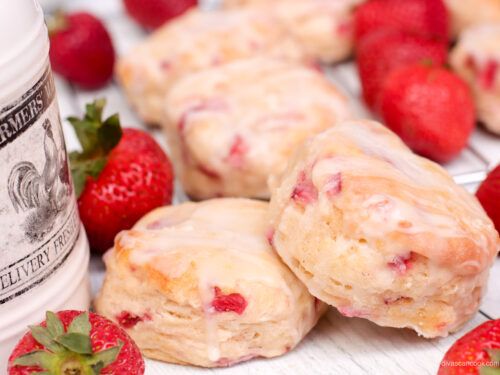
[[44, 252]]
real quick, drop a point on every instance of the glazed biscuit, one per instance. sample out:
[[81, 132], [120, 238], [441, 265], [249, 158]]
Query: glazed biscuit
[[193, 42], [231, 127], [199, 284], [381, 233]]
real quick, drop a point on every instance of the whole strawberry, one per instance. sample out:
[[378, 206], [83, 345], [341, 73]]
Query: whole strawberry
[[489, 196], [382, 52], [428, 18], [81, 49], [119, 176], [151, 14], [478, 352], [430, 108], [77, 343]]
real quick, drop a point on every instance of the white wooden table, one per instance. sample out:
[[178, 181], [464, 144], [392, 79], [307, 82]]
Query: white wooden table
[[338, 345]]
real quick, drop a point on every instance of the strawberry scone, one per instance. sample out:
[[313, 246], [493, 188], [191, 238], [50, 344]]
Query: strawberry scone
[[199, 284], [466, 13], [381, 233], [233, 126], [476, 58], [324, 28], [193, 42]]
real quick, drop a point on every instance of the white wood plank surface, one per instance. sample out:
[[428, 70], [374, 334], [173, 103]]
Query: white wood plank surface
[[338, 345]]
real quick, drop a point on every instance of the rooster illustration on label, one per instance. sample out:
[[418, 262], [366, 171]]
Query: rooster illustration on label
[[44, 194]]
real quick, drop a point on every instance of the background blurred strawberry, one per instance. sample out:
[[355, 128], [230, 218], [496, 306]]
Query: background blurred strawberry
[[81, 49], [430, 108], [151, 14], [489, 196], [119, 176], [381, 52], [428, 18]]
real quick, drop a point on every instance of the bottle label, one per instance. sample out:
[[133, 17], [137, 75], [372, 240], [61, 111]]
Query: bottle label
[[39, 221]]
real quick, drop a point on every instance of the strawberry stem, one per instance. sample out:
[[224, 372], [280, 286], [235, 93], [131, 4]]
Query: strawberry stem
[[97, 138], [57, 22]]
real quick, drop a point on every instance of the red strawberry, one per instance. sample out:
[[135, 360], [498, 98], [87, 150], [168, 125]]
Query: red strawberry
[[81, 49], [475, 353], [153, 13], [384, 51], [428, 18], [119, 177], [430, 108], [75, 342], [489, 196]]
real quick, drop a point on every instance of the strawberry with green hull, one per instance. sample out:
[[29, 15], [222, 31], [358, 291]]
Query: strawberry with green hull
[[478, 352], [151, 14], [489, 196], [76, 343], [430, 108], [119, 176], [81, 49]]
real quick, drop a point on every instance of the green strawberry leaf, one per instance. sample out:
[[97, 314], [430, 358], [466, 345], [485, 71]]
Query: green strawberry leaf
[[94, 110], [44, 338], [86, 132], [81, 170], [54, 324], [80, 324], [38, 358], [110, 133], [104, 358], [97, 138], [76, 342]]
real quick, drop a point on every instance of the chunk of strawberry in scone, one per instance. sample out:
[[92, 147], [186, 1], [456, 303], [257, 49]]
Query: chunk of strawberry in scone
[[233, 302], [304, 192]]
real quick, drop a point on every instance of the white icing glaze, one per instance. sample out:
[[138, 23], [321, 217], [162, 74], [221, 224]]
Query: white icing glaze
[[225, 243], [266, 103], [389, 191]]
